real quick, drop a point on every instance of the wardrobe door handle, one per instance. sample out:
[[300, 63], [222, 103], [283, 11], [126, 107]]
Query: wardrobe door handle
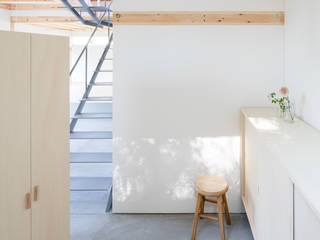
[[36, 193], [28, 200]]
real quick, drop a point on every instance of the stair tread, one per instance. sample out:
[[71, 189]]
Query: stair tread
[[97, 99], [91, 207], [90, 183], [84, 169], [101, 84], [105, 70], [93, 8], [93, 116], [91, 135], [87, 196], [91, 157], [89, 202]]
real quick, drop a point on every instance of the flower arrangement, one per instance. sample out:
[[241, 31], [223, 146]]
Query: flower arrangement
[[286, 107]]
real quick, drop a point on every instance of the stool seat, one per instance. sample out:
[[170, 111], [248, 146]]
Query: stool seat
[[211, 186]]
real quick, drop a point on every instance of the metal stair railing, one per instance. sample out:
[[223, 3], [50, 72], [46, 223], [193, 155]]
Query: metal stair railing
[[91, 84], [85, 49], [98, 23], [93, 157]]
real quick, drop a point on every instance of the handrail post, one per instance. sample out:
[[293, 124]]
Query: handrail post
[[109, 21], [86, 73]]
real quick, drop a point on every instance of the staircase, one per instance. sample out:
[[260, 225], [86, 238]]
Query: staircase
[[91, 150]]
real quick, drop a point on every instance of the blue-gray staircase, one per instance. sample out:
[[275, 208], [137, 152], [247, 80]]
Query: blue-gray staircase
[[90, 166]]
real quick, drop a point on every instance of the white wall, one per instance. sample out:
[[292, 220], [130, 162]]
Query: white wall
[[178, 91], [303, 57], [4, 19]]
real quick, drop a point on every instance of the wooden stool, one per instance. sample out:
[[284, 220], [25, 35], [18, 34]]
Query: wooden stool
[[211, 186]]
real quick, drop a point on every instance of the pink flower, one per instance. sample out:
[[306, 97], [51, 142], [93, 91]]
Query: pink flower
[[284, 92]]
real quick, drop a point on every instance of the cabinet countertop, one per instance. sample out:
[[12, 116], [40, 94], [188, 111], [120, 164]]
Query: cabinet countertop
[[295, 145]]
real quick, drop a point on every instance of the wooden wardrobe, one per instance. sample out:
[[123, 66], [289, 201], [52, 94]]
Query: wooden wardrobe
[[34, 133]]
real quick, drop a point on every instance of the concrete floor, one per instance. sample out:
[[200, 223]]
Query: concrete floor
[[89, 222], [153, 227]]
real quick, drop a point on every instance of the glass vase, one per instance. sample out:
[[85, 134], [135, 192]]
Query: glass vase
[[282, 112], [290, 113]]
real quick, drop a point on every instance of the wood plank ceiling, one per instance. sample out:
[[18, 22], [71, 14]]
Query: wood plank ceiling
[[63, 20], [59, 19]]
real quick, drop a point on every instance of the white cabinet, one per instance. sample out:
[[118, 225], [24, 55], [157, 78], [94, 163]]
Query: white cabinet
[[280, 176], [267, 190], [307, 224], [278, 161], [276, 200], [34, 156]]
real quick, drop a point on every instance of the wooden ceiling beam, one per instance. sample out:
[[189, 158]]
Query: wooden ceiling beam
[[34, 7], [29, 1], [38, 2], [52, 22], [73, 2], [50, 26], [5, 6], [62, 26], [41, 6], [199, 18], [42, 19]]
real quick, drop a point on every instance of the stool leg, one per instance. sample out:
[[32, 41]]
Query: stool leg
[[202, 205], [196, 217], [220, 209], [226, 209]]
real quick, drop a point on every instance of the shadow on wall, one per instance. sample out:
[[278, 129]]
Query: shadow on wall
[[158, 175]]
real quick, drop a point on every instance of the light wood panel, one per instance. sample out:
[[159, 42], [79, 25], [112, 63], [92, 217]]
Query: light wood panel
[[249, 177], [50, 136], [15, 219], [198, 18], [243, 155]]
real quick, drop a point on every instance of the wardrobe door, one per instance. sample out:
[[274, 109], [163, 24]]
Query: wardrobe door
[[15, 212], [50, 137]]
